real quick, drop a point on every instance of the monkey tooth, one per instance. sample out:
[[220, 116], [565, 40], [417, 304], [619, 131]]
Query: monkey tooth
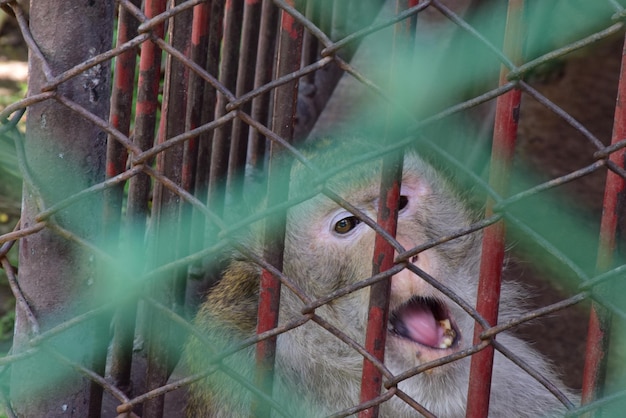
[[448, 334], [446, 342]]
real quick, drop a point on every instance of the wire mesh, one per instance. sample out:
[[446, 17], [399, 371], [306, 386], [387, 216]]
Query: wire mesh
[[209, 102]]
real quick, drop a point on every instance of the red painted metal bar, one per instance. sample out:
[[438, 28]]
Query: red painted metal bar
[[193, 151], [283, 119], [165, 203], [384, 253], [121, 101], [120, 117], [145, 119], [505, 134], [613, 208], [165, 225], [198, 54], [145, 122], [371, 380]]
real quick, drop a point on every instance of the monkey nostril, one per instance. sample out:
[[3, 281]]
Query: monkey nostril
[[414, 259]]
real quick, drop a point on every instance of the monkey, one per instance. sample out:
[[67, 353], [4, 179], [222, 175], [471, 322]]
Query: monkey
[[326, 248]]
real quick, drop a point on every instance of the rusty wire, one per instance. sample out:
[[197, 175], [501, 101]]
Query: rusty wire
[[234, 110]]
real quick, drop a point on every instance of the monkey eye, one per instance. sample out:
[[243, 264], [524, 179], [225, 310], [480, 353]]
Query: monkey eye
[[346, 225], [403, 202]]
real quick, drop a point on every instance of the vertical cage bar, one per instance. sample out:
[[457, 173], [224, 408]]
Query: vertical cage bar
[[145, 122], [371, 381], [310, 44], [263, 75], [121, 104], [245, 83], [198, 52], [195, 92], [120, 117], [195, 148], [384, 252], [596, 355], [505, 134], [166, 224], [228, 77], [283, 120], [203, 173]]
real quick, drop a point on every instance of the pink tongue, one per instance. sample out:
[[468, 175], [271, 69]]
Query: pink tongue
[[421, 325]]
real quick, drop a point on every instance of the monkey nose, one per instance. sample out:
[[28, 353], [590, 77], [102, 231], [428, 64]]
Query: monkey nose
[[406, 284], [407, 243]]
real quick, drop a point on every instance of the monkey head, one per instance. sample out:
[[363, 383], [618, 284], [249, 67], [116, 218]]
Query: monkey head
[[327, 248], [328, 252]]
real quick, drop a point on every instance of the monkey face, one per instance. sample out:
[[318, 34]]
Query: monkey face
[[424, 325]]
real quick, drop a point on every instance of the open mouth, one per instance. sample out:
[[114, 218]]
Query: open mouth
[[425, 321]]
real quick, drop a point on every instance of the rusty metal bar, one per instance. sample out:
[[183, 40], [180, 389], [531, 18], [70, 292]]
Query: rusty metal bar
[[194, 226], [310, 44], [166, 210], [196, 148], [213, 37], [168, 230], [263, 75], [245, 83], [596, 355], [198, 54], [228, 77], [371, 381], [384, 252], [283, 120], [120, 118], [505, 134], [145, 122]]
